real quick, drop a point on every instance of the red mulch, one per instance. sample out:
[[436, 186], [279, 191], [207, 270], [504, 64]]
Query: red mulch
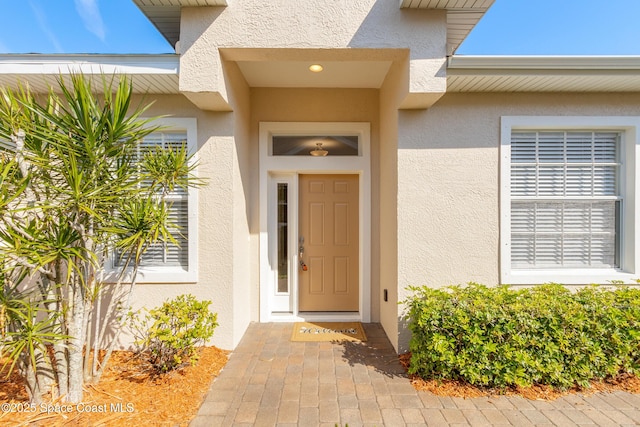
[[129, 393], [624, 382]]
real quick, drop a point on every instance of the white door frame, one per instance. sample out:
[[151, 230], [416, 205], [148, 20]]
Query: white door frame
[[274, 169]]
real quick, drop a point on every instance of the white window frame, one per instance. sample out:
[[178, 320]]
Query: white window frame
[[629, 128], [172, 274]]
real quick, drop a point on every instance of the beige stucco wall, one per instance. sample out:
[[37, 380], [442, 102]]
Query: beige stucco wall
[[391, 95], [239, 97], [223, 229], [314, 24], [229, 215], [448, 182]]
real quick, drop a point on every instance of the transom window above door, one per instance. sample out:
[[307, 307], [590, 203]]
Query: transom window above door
[[316, 145]]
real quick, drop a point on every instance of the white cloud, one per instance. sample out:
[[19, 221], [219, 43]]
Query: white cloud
[[44, 26], [90, 14]]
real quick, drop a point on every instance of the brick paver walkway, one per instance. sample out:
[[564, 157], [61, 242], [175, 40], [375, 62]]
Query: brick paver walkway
[[270, 381]]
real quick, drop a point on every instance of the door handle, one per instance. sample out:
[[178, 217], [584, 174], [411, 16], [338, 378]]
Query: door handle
[[303, 266]]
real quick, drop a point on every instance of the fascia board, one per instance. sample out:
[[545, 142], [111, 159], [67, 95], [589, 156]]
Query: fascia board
[[494, 63], [89, 64]]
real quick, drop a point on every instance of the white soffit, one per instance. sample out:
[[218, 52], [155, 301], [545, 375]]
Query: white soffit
[[335, 74], [157, 74], [543, 74], [165, 14], [462, 16]]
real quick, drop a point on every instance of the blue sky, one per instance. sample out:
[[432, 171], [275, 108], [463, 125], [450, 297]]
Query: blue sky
[[77, 26], [511, 27], [557, 27]]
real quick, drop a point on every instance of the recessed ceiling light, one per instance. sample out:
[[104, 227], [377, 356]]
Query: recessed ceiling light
[[315, 68]]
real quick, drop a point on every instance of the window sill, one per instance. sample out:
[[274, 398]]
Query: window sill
[[568, 277]]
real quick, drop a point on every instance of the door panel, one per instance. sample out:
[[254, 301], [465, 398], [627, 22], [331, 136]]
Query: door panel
[[328, 217], [341, 275], [315, 233], [341, 220]]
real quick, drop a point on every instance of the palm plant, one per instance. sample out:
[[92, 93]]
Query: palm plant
[[72, 190]]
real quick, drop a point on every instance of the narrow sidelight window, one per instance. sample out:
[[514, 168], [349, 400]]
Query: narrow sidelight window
[[283, 237]]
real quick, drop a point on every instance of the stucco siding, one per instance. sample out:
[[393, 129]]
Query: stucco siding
[[315, 24], [244, 310], [216, 153], [297, 26], [448, 181], [390, 97]]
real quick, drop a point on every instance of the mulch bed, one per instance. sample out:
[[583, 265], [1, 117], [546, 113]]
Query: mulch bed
[[129, 393], [624, 382]]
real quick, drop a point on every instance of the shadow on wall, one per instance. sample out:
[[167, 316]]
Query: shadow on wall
[[197, 27], [105, 318], [422, 31]]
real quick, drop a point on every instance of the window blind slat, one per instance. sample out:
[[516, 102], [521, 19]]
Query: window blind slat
[[561, 234], [524, 148], [551, 181], [522, 250], [604, 180], [579, 147], [550, 147]]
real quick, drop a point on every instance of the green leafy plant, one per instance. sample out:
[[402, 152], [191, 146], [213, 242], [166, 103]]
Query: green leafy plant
[[27, 330], [499, 337], [170, 334], [74, 190]]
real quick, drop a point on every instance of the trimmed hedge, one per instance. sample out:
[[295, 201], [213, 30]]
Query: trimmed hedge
[[500, 336]]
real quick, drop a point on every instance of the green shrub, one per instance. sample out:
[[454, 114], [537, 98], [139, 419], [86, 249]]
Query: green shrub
[[499, 337], [169, 335]]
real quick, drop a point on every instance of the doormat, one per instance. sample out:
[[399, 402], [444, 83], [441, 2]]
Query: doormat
[[328, 331]]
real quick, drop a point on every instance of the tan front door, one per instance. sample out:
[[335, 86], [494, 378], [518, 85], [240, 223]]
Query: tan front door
[[329, 212]]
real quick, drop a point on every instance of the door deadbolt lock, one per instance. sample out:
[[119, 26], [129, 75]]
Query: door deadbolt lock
[[303, 266]]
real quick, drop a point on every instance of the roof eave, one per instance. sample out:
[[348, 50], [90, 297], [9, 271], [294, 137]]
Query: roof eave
[[543, 62], [543, 74], [165, 14], [462, 16], [149, 73]]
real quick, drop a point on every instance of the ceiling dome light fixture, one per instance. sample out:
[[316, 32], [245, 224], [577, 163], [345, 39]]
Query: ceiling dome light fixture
[[315, 68], [319, 151]]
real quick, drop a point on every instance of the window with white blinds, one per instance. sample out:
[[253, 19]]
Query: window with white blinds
[[168, 254], [565, 199]]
